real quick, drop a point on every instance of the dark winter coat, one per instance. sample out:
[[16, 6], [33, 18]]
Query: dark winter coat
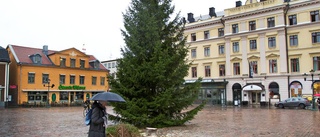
[[97, 128]]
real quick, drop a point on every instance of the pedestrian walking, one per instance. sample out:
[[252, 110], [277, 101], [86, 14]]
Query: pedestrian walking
[[98, 122]]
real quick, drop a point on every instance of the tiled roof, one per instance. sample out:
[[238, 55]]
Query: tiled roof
[[22, 54]]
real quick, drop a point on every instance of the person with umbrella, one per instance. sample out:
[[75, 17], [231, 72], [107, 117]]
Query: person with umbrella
[[99, 113], [98, 119]]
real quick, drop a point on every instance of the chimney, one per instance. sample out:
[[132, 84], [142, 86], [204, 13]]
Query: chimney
[[45, 49], [190, 17], [212, 12], [238, 3]]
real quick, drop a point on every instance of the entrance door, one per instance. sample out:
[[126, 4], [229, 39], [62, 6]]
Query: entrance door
[[236, 97], [255, 97]]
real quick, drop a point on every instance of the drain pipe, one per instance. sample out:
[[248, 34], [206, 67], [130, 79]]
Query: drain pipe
[[286, 42]]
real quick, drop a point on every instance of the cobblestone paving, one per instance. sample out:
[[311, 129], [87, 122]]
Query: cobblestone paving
[[210, 122], [249, 122]]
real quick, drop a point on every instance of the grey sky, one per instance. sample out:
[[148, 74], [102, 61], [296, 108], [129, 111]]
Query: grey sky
[[63, 24]]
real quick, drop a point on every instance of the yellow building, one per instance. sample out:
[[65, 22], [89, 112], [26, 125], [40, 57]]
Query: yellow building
[[66, 77], [245, 52]]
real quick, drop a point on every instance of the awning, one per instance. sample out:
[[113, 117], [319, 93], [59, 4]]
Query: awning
[[251, 88]]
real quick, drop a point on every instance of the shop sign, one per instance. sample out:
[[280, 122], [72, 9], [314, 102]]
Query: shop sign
[[75, 87]]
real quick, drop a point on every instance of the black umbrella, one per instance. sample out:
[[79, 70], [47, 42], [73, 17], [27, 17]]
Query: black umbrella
[[108, 96]]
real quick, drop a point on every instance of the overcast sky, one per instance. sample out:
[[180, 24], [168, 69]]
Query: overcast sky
[[63, 24]]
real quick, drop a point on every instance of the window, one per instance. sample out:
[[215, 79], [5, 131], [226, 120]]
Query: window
[[316, 63], [81, 82], [37, 96], [271, 22], [97, 64], [295, 65], [79, 96], [314, 15], [82, 63], [72, 63], [221, 32], [253, 44], [316, 37], [272, 42], [221, 49], [193, 53], [94, 80], [235, 46], [252, 25], [194, 72], [236, 68], [193, 37], [207, 71], [235, 28], [206, 34], [254, 65], [72, 79], [45, 78], [31, 78], [62, 79], [273, 66], [207, 51], [62, 62], [109, 65], [64, 95], [37, 59], [102, 80], [293, 20], [222, 71], [113, 64], [293, 40]]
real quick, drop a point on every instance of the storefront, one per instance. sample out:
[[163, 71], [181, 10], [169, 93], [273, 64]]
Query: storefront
[[56, 98], [213, 92]]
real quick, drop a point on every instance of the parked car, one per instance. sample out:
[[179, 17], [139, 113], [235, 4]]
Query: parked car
[[293, 102]]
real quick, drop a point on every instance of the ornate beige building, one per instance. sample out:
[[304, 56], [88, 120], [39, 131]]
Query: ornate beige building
[[245, 52]]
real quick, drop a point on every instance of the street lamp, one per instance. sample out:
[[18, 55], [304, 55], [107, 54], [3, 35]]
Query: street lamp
[[305, 79], [48, 85]]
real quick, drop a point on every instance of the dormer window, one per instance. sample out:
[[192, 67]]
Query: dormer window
[[36, 58], [95, 64]]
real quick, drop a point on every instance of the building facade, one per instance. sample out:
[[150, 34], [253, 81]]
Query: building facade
[[4, 77], [246, 52], [111, 65], [66, 77]]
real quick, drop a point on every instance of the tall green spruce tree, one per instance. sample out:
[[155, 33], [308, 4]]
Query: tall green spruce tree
[[151, 73]]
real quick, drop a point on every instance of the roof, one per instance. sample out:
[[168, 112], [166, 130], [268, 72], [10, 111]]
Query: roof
[[4, 56], [207, 16], [22, 54]]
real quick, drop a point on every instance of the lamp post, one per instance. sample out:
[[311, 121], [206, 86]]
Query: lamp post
[[305, 79], [48, 85]]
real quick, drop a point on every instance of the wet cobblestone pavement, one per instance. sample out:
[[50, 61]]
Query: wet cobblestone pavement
[[210, 122]]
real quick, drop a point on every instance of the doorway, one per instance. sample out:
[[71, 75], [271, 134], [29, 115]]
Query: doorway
[[255, 97]]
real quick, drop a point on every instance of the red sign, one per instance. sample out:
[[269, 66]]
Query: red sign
[[13, 86]]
